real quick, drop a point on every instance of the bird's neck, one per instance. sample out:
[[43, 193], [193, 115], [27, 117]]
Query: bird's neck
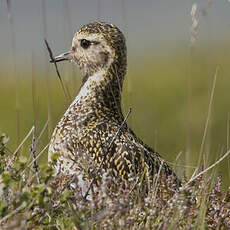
[[101, 93]]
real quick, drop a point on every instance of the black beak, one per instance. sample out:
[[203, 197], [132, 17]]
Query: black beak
[[62, 57]]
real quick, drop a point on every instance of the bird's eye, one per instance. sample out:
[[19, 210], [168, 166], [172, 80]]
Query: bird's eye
[[85, 43]]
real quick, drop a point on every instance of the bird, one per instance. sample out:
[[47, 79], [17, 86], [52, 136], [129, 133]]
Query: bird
[[93, 133]]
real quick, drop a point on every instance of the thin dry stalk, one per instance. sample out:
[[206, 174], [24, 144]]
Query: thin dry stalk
[[66, 93], [43, 130], [208, 117], [177, 159], [35, 159], [33, 151], [207, 169], [195, 172], [15, 153]]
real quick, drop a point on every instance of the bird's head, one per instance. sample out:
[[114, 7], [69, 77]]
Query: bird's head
[[97, 46]]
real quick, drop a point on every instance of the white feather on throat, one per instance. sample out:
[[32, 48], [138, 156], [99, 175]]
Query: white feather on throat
[[88, 88]]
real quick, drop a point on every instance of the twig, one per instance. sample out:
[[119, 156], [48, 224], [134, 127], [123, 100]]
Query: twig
[[43, 130], [21, 144], [178, 156], [33, 151], [108, 148], [38, 138], [201, 173], [54, 61], [32, 162], [207, 169], [194, 172], [177, 159], [67, 96]]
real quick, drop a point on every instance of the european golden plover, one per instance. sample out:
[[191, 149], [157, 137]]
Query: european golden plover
[[84, 136]]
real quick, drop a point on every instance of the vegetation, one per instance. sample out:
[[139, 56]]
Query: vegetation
[[43, 201], [180, 102]]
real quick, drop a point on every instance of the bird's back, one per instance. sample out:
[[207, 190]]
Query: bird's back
[[108, 145]]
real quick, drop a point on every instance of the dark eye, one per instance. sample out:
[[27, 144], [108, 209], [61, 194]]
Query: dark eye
[[85, 43]]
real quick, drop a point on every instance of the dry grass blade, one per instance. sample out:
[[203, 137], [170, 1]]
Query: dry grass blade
[[43, 130], [37, 139], [15, 153], [208, 116], [207, 169], [32, 162], [33, 151], [53, 59], [67, 96], [177, 159]]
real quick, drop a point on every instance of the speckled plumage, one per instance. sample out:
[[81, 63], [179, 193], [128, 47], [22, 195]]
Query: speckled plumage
[[85, 131]]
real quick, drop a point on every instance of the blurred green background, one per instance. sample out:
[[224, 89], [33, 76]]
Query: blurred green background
[[169, 80]]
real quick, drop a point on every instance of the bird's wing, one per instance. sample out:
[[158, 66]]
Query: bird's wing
[[122, 153]]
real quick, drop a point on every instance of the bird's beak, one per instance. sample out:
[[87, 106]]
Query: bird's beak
[[62, 57]]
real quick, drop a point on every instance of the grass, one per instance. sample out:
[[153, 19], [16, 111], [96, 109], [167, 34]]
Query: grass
[[50, 203], [180, 106]]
